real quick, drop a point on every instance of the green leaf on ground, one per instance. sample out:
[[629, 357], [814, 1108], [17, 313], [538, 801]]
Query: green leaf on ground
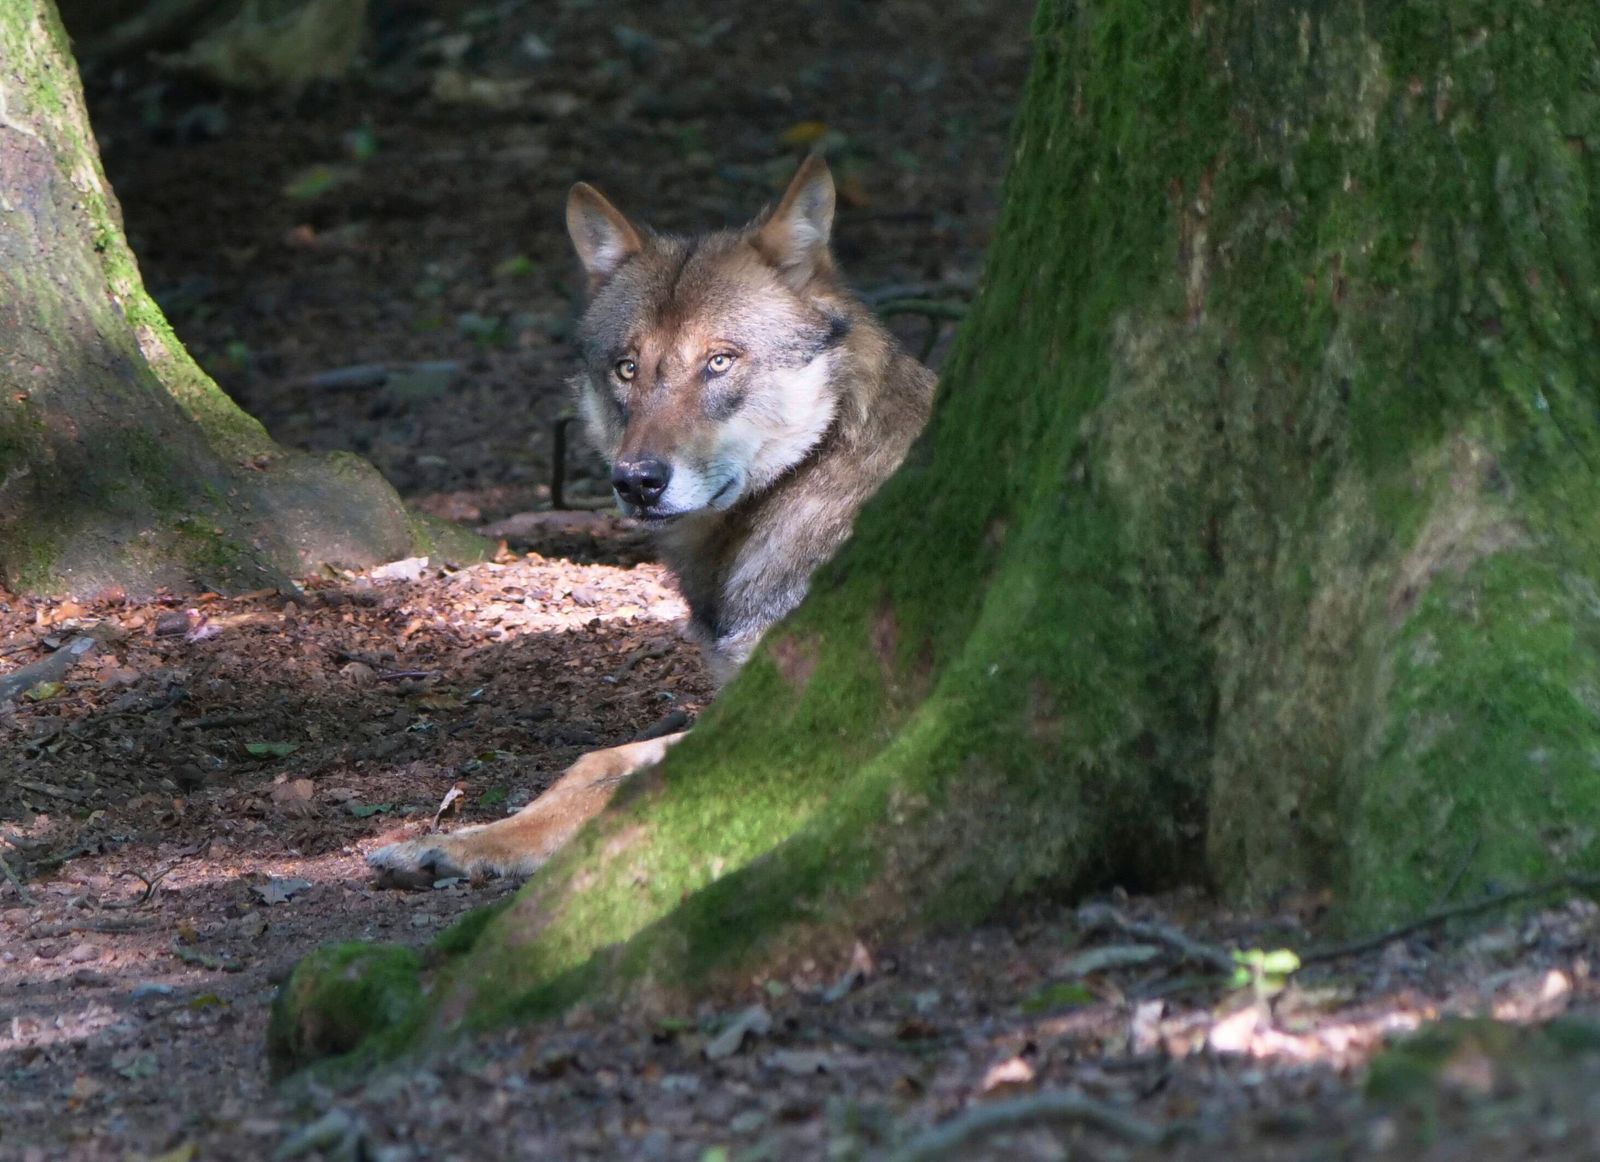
[[270, 750]]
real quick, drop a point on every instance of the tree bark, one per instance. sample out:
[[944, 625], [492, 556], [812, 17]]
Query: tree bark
[[122, 465], [1253, 542]]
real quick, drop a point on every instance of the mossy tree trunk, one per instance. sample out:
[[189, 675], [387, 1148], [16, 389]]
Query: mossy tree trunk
[[1253, 542], [121, 464]]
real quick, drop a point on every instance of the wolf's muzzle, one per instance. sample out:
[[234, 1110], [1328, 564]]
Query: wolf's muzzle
[[640, 483]]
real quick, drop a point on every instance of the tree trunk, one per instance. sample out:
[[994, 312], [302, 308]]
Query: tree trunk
[[122, 465], [1253, 541]]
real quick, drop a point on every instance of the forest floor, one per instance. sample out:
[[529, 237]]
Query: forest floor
[[190, 784]]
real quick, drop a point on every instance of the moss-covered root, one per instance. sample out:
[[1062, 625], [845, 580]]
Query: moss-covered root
[[343, 998]]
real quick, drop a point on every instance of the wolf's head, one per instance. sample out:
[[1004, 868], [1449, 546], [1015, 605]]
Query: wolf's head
[[708, 360]]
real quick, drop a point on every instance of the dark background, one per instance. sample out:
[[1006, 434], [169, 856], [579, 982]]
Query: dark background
[[412, 212]]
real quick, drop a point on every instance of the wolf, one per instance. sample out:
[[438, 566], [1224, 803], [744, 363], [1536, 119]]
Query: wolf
[[748, 404]]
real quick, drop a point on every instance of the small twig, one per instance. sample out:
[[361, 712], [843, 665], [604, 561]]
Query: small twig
[[955, 1136], [212, 721], [1460, 873], [1328, 952], [936, 313], [11, 878], [51, 862], [558, 471], [558, 461], [149, 882], [1188, 948], [50, 789], [916, 1047], [103, 924], [916, 290], [927, 308], [406, 675]]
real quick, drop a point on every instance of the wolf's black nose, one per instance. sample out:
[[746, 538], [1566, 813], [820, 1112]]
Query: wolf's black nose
[[641, 482]]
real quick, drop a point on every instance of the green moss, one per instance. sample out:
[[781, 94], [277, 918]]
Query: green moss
[[342, 999], [464, 933], [444, 541], [1486, 769], [30, 562]]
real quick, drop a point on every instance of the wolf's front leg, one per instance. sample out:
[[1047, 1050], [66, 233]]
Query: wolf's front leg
[[517, 845]]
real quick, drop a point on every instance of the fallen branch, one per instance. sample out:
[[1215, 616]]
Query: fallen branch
[[103, 925], [1587, 884], [1149, 931], [936, 313], [215, 721], [51, 668], [955, 1136], [360, 376]]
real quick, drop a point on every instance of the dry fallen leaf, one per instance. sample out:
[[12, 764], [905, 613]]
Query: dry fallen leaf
[[1235, 1032], [295, 797], [279, 891], [1006, 1078]]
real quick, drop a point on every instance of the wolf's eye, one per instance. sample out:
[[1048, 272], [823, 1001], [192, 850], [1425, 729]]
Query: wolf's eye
[[626, 369], [719, 363]]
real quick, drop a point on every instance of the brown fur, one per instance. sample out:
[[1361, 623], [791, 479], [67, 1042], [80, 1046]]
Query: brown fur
[[750, 405]]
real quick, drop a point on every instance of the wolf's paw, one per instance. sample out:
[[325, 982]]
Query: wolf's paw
[[416, 863]]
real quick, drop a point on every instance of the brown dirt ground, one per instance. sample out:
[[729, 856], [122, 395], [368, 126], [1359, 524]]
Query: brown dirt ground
[[184, 812]]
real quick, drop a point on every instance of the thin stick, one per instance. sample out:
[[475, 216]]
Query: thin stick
[[1187, 947], [1588, 884], [917, 290], [955, 1136], [11, 878], [927, 308], [558, 473], [558, 461]]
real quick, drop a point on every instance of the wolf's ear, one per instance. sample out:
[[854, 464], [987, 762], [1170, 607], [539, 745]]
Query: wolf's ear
[[603, 238], [794, 237]]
